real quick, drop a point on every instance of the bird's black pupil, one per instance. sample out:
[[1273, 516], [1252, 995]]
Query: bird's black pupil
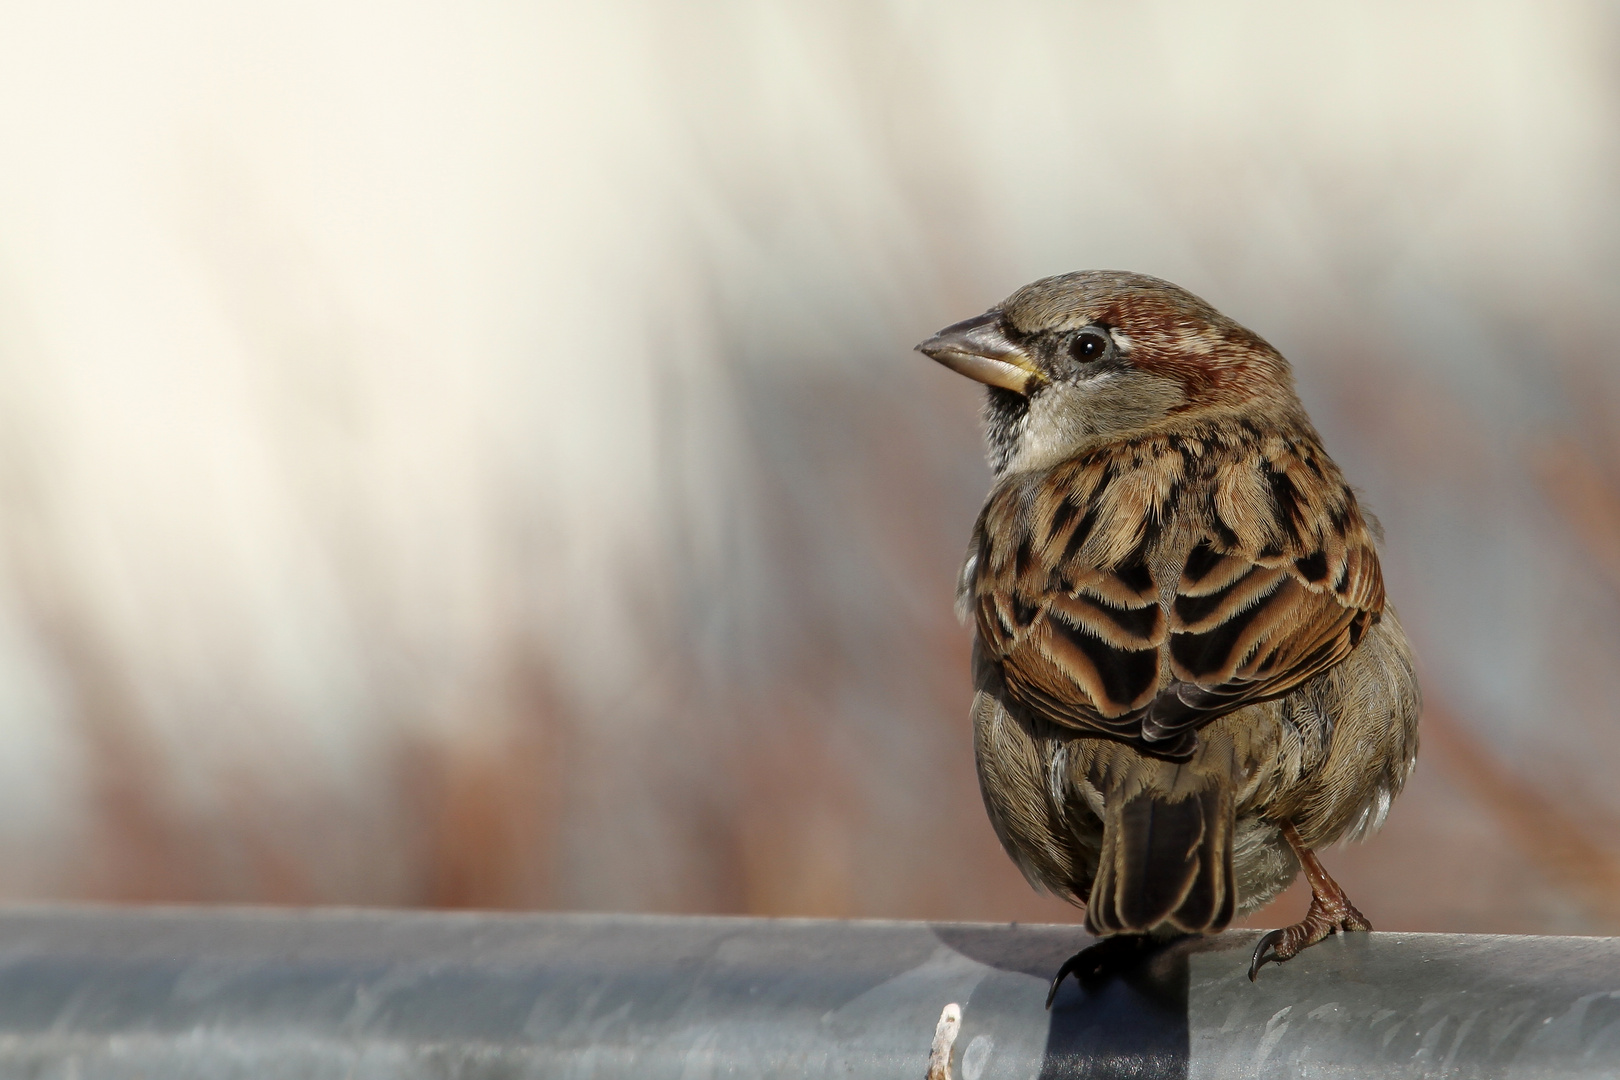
[[1088, 346]]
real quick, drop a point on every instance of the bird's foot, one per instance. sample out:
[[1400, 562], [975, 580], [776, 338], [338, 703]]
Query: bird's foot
[[1107, 957], [1331, 912], [1324, 917]]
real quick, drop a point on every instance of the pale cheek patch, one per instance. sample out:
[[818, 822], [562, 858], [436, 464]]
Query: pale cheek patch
[[1052, 431]]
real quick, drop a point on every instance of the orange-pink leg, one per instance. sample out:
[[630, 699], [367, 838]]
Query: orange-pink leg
[[1331, 912]]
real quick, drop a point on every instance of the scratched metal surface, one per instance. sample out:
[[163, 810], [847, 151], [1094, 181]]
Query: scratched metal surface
[[222, 993], [1413, 1005]]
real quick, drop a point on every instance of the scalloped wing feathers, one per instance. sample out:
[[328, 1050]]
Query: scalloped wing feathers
[[1142, 590]]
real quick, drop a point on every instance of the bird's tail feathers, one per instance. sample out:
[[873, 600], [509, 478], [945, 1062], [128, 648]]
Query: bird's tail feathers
[[1166, 862]]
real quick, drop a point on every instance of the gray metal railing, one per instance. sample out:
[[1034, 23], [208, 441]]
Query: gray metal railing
[[220, 993]]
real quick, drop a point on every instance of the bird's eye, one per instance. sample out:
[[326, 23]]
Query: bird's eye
[[1088, 345]]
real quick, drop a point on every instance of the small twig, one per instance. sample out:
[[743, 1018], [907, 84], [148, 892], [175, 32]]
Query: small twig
[[939, 1057]]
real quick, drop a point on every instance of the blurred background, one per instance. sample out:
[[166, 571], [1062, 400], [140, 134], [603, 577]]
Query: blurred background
[[471, 454]]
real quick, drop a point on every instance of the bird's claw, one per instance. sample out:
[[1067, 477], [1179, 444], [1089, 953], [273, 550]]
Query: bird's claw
[[1067, 968], [1270, 939], [1323, 918], [1109, 957]]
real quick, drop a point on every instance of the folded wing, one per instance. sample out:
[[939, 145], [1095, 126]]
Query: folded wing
[[1273, 592]]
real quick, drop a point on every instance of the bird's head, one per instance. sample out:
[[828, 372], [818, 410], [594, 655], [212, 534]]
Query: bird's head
[[1088, 358]]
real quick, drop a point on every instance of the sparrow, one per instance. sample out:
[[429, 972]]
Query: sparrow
[[1188, 677]]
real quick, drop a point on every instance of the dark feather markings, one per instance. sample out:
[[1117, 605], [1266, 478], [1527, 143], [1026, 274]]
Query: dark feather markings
[[1208, 466], [1133, 570], [1192, 609], [1313, 567], [1022, 557], [1166, 509], [995, 610], [1200, 562], [1180, 707], [1178, 445], [1050, 709], [1061, 516], [1125, 674], [1205, 654], [1077, 539], [1109, 473], [1339, 516], [1082, 643], [1284, 501], [1358, 627], [1142, 623]]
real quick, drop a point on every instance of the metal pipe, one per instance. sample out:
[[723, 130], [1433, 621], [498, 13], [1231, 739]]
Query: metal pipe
[[221, 993]]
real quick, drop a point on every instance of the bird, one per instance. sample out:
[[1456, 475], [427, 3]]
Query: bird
[[1187, 677]]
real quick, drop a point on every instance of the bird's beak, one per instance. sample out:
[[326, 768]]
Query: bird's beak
[[977, 348]]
